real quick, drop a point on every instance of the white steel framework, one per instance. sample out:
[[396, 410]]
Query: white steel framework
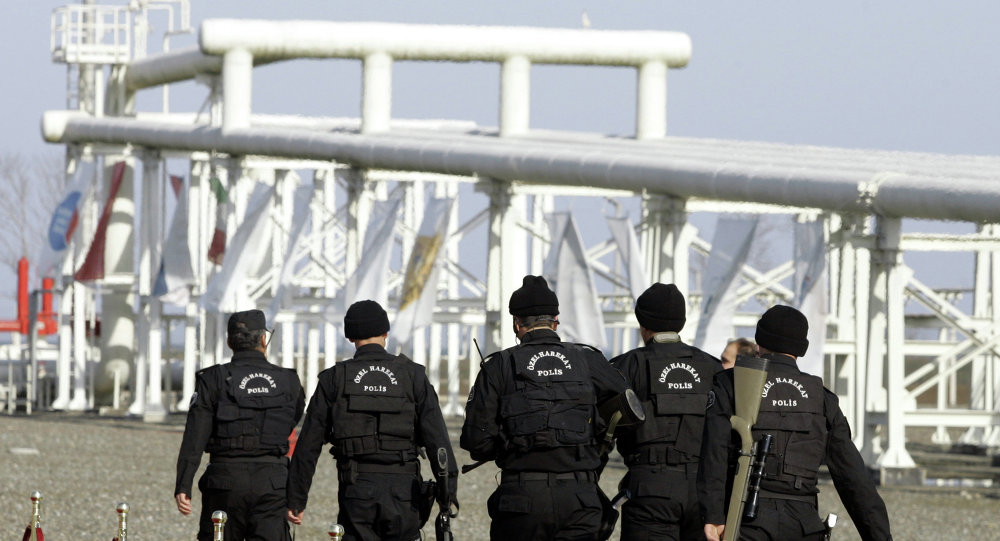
[[879, 357]]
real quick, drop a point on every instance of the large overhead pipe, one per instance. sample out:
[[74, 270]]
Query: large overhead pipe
[[926, 186]]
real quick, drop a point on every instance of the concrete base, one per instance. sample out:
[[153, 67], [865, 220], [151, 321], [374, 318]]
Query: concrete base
[[901, 476]]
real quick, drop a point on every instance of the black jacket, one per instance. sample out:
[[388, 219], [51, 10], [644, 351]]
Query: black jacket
[[429, 429], [484, 434], [850, 475], [210, 385]]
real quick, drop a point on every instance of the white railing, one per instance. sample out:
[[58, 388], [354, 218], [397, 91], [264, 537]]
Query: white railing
[[91, 34]]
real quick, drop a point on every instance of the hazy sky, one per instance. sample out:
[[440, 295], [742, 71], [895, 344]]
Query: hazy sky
[[908, 75], [896, 75]]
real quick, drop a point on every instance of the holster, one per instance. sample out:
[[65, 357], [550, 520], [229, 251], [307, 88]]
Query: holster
[[428, 495], [609, 516]]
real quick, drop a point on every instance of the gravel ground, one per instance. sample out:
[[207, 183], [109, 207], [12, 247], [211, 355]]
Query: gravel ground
[[84, 465]]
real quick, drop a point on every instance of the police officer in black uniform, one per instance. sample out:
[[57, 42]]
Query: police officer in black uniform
[[533, 409], [376, 410], [672, 379], [242, 413], [808, 428]]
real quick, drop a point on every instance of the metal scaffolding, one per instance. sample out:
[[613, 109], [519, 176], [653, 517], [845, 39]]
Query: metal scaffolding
[[879, 356]]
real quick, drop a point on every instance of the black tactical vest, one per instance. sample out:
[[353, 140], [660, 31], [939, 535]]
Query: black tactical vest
[[791, 409], [376, 411], [552, 400], [257, 409], [674, 397]]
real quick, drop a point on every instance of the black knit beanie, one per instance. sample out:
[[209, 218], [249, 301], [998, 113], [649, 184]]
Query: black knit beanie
[[248, 320], [661, 308], [365, 319], [783, 329], [534, 298]]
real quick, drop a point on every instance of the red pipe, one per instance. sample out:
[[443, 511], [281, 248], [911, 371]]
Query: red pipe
[[46, 317], [22, 294]]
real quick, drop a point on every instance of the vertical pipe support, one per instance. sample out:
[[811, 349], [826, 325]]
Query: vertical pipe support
[[152, 237], [237, 81], [651, 100], [376, 92], [515, 96], [505, 266], [888, 236]]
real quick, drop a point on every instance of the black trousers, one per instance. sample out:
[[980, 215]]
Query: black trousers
[[662, 504], [783, 520], [545, 509], [253, 496], [380, 507]]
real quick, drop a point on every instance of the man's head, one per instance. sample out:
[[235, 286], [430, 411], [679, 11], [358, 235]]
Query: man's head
[[783, 329], [740, 347], [661, 308], [366, 321], [533, 305], [246, 331]]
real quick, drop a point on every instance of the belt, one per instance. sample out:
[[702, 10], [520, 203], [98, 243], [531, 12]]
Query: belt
[[264, 459], [549, 477], [808, 498], [407, 468]]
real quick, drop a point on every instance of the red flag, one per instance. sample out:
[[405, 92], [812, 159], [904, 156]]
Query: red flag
[[176, 183], [93, 265], [217, 249]]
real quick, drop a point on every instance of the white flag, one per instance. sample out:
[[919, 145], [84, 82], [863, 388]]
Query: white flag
[[810, 290], [567, 271], [250, 244], [628, 248], [419, 293], [176, 269], [730, 246], [368, 281], [301, 215], [64, 220]]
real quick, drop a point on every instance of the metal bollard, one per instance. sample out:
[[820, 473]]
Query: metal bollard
[[336, 532], [36, 509], [122, 510], [33, 531], [218, 524]]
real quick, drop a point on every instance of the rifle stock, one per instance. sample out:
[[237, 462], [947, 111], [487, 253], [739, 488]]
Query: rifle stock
[[442, 525], [749, 376]]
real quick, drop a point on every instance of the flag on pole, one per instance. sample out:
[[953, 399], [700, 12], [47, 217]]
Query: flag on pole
[[64, 219], [301, 215], [217, 248], [249, 248], [730, 246], [567, 271], [368, 281], [419, 292], [93, 265], [810, 290], [176, 268], [628, 247]]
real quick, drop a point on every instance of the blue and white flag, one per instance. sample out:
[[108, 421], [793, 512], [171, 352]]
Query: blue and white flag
[[64, 220]]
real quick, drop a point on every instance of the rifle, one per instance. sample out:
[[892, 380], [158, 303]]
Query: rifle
[[749, 376], [442, 526], [753, 493], [469, 467]]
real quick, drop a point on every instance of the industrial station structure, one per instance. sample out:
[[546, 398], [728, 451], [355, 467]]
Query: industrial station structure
[[899, 353]]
